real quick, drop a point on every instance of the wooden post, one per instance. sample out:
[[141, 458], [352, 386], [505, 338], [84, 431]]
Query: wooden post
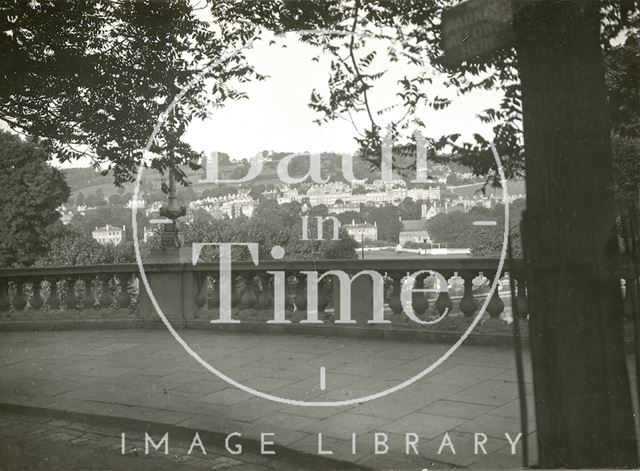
[[583, 406]]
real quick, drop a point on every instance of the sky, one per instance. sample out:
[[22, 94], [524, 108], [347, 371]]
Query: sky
[[276, 115]]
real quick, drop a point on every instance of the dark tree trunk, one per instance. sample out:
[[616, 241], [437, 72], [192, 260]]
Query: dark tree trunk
[[583, 403]]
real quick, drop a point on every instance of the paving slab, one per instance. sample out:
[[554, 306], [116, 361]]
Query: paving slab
[[145, 375]]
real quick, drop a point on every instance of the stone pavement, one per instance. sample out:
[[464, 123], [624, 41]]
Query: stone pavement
[[145, 375], [31, 442]]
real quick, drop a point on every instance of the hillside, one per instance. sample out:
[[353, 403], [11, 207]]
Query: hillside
[[88, 181]]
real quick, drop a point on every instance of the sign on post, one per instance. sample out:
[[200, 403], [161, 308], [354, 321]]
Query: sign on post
[[476, 29]]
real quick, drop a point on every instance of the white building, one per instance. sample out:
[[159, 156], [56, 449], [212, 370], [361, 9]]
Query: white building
[[66, 218], [393, 193], [414, 230], [231, 206], [138, 204], [378, 185], [363, 231], [109, 234], [148, 233], [289, 195], [65, 215], [153, 208], [343, 208], [430, 210]]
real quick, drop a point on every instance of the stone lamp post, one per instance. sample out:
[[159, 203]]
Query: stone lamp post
[[172, 210], [174, 286]]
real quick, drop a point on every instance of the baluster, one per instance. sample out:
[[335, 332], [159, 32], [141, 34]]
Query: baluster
[[134, 294], [20, 300], [443, 302], [236, 290], [301, 293], [70, 298], [54, 300], [201, 280], [483, 284], [395, 303], [324, 293], [88, 298], [106, 298], [265, 298], [291, 289], [248, 298], [468, 303], [495, 307], [214, 293], [5, 304], [457, 289], [36, 299], [419, 300], [123, 300]]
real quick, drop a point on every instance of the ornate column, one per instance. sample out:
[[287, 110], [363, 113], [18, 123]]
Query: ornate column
[[174, 287]]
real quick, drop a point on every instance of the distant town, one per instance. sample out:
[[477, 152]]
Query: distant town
[[380, 216]]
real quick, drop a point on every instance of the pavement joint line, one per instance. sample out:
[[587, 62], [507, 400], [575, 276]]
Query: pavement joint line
[[253, 446], [496, 339]]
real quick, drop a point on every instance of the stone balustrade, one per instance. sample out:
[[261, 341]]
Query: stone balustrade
[[40, 295], [190, 295], [468, 282]]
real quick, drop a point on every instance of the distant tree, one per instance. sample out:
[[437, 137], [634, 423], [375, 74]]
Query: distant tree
[[70, 246], [218, 191], [239, 171], [348, 216], [325, 249], [410, 209], [115, 199], [487, 241], [388, 220], [266, 234], [358, 190], [319, 210], [80, 200], [123, 253], [453, 229], [270, 225], [31, 192], [456, 229], [223, 159], [113, 215], [202, 215], [453, 180], [269, 210], [100, 198], [95, 199], [256, 191]]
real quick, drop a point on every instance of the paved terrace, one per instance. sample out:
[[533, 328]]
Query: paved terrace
[[145, 375]]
